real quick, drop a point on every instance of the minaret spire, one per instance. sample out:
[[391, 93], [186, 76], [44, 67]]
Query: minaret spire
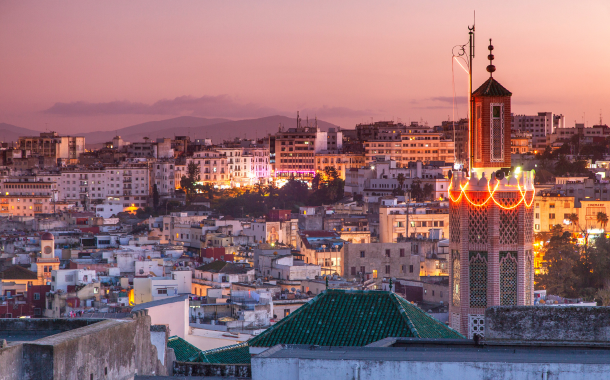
[[491, 68]]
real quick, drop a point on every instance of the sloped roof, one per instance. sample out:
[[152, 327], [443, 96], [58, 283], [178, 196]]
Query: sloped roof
[[353, 318], [184, 351], [491, 87], [220, 266], [234, 354], [17, 272]]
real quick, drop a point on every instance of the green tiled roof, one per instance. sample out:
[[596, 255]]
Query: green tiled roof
[[184, 351], [235, 354], [353, 318]]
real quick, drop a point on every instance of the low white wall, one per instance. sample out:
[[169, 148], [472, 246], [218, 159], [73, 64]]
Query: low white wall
[[316, 369]]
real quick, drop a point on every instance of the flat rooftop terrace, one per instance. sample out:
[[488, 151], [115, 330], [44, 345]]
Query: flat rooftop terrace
[[446, 350]]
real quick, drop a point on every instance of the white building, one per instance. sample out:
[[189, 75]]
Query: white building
[[539, 126], [162, 175], [61, 278], [146, 289]]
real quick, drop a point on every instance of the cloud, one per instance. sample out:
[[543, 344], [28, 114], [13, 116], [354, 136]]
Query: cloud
[[339, 112], [449, 99], [210, 106]]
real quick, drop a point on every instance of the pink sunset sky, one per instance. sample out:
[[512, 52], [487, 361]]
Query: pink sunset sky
[[75, 66]]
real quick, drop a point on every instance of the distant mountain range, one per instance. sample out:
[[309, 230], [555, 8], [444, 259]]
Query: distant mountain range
[[196, 127]]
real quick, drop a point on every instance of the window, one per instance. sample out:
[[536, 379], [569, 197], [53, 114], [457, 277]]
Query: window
[[566, 216], [161, 291], [433, 293], [353, 271], [286, 312], [404, 269], [374, 273], [551, 216], [387, 269], [441, 294], [410, 268], [36, 296], [362, 270], [387, 253], [551, 205], [537, 216], [402, 252], [361, 253]]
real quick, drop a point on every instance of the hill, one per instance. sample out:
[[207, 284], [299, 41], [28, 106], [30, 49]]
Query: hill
[[150, 129], [198, 128], [217, 129], [10, 133]]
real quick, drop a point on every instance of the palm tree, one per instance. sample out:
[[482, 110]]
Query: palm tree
[[602, 219], [573, 218], [401, 179]]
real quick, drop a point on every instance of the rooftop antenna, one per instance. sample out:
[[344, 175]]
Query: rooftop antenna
[[298, 120]]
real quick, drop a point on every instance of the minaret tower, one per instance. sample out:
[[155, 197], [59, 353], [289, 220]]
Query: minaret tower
[[490, 217]]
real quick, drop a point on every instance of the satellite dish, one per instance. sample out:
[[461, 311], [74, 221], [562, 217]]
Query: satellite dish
[[499, 175]]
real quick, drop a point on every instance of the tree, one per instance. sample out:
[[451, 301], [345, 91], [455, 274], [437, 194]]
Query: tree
[[561, 255], [416, 191], [191, 178], [401, 180], [155, 197], [602, 219], [428, 191]]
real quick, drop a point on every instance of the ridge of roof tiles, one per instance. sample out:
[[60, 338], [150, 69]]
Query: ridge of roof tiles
[[234, 354], [184, 351], [491, 87]]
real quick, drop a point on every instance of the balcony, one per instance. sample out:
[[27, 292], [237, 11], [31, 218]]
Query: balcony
[[127, 179]]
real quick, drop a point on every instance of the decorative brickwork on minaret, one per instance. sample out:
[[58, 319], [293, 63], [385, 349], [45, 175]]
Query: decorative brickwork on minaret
[[491, 217]]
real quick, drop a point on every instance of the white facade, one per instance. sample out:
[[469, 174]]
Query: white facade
[[148, 289], [128, 184], [61, 278], [163, 176]]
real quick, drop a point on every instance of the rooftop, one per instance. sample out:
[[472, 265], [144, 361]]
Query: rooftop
[[223, 267], [353, 318], [17, 272], [445, 350]]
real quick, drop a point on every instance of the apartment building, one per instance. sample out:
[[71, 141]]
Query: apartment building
[[213, 167], [520, 142], [50, 144], [595, 134], [128, 183], [162, 175], [399, 220], [27, 195], [375, 261], [247, 165], [342, 162], [426, 147], [541, 125], [295, 150]]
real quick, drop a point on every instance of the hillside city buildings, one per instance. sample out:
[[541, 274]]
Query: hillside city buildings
[[435, 238]]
